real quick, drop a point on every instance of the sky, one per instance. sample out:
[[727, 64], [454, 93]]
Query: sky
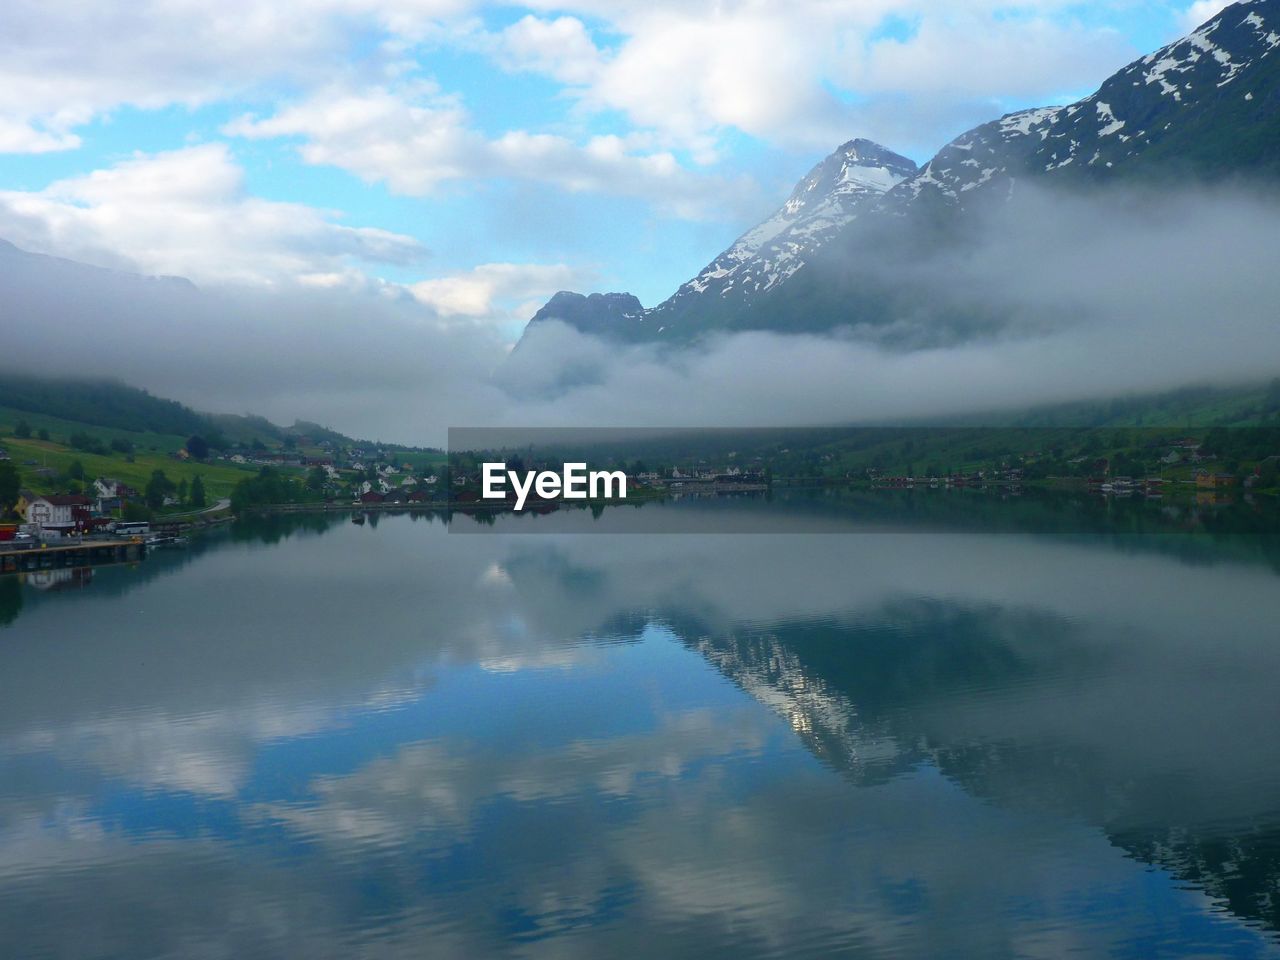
[[479, 157]]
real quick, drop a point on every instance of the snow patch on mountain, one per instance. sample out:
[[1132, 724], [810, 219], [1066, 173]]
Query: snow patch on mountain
[[821, 204]]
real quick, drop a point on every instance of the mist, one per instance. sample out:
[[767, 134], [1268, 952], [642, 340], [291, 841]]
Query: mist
[[1117, 293]]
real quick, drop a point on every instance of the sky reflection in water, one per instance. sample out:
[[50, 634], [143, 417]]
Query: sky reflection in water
[[304, 738]]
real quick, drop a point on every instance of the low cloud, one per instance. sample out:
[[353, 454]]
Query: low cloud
[[1122, 293], [1052, 298]]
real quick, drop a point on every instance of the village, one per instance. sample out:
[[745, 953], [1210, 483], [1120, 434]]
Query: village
[[1184, 468], [63, 505]]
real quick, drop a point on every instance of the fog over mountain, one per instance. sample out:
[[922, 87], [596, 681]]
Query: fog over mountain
[[1112, 293]]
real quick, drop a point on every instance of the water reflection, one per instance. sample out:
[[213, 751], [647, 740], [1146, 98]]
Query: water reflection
[[309, 738]]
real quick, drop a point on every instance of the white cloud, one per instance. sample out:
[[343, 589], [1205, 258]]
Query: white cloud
[[560, 48], [22, 135], [811, 73], [61, 64], [682, 76], [505, 289], [411, 141], [186, 212], [414, 139], [969, 57], [690, 74], [1199, 12]]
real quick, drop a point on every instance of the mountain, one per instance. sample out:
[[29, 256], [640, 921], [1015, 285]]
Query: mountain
[[855, 176], [1205, 108], [602, 314], [1205, 105]]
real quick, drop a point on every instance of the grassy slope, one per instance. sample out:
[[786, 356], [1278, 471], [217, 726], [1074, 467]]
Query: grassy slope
[[218, 478], [60, 430]]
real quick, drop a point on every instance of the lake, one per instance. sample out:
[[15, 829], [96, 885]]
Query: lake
[[300, 737]]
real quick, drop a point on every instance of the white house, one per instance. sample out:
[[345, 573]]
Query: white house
[[104, 488], [61, 512]]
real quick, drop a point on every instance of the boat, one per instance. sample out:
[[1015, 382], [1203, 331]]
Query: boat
[[358, 520]]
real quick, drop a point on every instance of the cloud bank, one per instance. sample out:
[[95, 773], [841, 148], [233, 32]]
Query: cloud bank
[[1112, 295]]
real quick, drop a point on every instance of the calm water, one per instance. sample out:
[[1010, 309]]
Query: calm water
[[304, 738]]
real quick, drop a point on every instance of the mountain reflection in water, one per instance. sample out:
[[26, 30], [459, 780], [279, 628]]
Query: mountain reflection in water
[[302, 737]]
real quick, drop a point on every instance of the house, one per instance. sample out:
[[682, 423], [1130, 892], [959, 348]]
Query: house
[[419, 496], [371, 496], [61, 512], [4, 454], [109, 487], [110, 494]]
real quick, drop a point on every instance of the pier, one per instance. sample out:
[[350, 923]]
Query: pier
[[78, 554]]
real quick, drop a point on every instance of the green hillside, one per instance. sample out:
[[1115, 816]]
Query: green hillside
[[99, 403], [43, 466]]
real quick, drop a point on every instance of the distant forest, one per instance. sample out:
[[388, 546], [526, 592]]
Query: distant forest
[[102, 403]]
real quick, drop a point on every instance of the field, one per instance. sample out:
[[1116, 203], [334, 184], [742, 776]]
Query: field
[[61, 430], [219, 478]]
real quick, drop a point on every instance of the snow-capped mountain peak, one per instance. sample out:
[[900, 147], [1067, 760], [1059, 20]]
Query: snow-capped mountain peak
[[827, 199], [1160, 110]]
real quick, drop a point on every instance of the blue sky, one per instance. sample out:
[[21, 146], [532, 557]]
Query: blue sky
[[483, 156]]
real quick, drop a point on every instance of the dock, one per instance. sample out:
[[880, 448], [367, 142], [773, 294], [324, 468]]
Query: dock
[[78, 554]]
